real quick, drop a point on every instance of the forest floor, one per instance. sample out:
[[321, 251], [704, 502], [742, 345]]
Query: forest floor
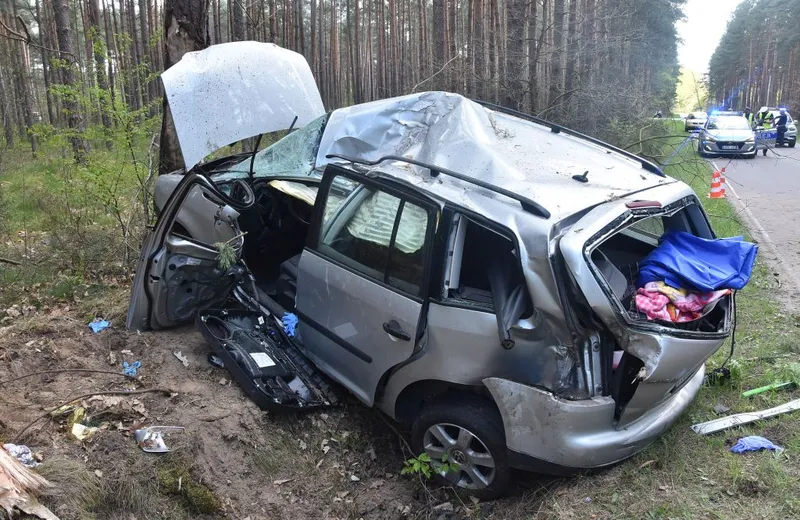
[[235, 461]]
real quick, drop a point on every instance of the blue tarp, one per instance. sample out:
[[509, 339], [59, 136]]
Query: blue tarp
[[688, 262]]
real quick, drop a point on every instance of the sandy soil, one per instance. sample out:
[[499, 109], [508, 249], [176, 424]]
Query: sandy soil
[[342, 462]]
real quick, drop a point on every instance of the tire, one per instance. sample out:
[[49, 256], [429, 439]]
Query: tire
[[468, 429], [751, 156], [685, 128], [791, 145]]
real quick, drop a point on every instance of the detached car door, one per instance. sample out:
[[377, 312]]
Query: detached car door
[[362, 279], [179, 268]]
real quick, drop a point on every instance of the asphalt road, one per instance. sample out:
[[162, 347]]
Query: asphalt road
[[767, 191]]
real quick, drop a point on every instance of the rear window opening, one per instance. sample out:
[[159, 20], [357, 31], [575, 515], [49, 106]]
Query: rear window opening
[[618, 258], [482, 258]]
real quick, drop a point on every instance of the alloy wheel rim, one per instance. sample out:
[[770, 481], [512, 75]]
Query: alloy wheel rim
[[469, 464]]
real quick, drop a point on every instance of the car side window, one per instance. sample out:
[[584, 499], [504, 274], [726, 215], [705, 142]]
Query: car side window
[[375, 233], [483, 261]]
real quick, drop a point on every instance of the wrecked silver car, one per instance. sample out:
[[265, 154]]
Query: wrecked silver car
[[468, 270]]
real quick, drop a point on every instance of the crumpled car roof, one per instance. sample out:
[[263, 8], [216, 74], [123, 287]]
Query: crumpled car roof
[[450, 131]]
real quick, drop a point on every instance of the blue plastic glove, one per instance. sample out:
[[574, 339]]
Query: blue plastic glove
[[97, 325], [754, 443], [129, 369], [289, 324]]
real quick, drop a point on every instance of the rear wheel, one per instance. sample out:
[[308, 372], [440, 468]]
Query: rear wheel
[[466, 435]]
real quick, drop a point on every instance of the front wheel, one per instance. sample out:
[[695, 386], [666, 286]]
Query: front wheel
[[791, 144], [464, 436]]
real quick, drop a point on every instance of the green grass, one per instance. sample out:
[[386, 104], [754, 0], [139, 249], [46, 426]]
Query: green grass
[[693, 476]]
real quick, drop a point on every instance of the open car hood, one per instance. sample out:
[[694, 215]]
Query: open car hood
[[233, 91]]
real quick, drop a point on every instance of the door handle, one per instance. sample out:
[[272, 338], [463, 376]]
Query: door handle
[[392, 328]]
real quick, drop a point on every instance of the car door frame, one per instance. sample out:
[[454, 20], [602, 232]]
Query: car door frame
[[142, 299], [405, 192]]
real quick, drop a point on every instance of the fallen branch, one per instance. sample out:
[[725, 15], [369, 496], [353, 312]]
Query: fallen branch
[[84, 396], [68, 370], [7, 261]]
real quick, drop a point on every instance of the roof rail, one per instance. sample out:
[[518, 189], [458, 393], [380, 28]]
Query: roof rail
[[647, 165], [527, 204]]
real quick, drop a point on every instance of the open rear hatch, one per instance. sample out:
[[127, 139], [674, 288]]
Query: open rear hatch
[[264, 361], [651, 359]]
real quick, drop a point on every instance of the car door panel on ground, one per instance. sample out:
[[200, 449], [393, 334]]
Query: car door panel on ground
[[370, 252]]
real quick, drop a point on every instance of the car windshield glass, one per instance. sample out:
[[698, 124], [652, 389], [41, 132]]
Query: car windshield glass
[[292, 156], [728, 123]]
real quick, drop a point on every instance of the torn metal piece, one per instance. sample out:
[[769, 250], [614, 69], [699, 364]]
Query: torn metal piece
[[740, 419], [151, 439], [181, 357]]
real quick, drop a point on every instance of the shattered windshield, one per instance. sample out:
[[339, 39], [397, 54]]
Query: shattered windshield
[[292, 156]]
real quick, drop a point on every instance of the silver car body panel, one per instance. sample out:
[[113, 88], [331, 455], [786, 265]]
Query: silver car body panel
[[461, 346], [580, 434], [224, 93], [342, 314]]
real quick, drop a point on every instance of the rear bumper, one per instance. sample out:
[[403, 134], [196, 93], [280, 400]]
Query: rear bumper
[[557, 436]]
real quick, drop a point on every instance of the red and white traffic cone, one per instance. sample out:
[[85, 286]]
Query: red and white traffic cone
[[717, 190]]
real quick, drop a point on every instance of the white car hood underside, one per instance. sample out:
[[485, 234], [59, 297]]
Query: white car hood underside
[[233, 91]]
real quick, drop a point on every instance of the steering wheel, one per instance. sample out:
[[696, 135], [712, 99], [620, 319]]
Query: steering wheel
[[241, 197]]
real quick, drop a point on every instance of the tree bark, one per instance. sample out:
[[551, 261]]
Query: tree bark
[[100, 68], [185, 30], [80, 147]]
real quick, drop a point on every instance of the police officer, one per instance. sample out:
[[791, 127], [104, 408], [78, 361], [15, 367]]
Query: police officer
[[780, 125], [750, 116], [765, 118]]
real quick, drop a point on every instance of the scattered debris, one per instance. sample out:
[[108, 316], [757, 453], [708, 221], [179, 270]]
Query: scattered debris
[[18, 488], [754, 443], [303, 445], [99, 324], [223, 381], [720, 409], [183, 359], [98, 473], [446, 507], [112, 358], [792, 379], [82, 432], [739, 419], [151, 439], [647, 463], [215, 360], [282, 481], [289, 321], [23, 454], [130, 369], [587, 500], [126, 352], [354, 478]]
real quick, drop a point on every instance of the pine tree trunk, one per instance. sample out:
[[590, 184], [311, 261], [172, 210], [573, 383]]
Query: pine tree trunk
[[100, 68], [80, 147], [40, 20], [185, 30], [5, 109]]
